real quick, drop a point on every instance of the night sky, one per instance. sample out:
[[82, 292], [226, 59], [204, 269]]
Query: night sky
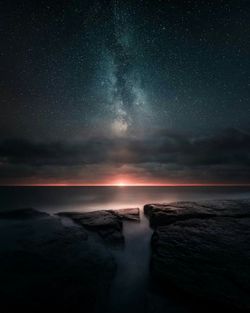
[[132, 92]]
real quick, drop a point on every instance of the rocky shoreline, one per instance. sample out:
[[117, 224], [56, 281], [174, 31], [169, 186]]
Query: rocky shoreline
[[45, 265], [201, 248], [107, 223]]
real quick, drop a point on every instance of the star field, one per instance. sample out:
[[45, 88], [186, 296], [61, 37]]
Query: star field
[[124, 71]]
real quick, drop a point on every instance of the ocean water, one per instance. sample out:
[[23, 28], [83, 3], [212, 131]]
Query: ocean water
[[56, 199], [132, 290]]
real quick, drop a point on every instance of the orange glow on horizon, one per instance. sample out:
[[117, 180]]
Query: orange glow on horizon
[[127, 184], [126, 179]]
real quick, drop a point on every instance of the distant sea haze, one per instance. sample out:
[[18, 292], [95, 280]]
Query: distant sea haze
[[55, 199]]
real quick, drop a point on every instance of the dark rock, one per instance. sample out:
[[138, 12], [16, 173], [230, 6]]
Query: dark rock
[[207, 257], [45, 266], [132, 214], [22, 214], [107, 224], [164, 214]]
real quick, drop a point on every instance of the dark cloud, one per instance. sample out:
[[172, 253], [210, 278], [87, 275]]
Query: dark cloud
[[164, 155]]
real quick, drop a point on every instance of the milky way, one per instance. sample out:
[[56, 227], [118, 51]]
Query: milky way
[[122, 82], [97, 90]]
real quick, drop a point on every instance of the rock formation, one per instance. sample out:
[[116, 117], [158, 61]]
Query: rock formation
[[203, 248]]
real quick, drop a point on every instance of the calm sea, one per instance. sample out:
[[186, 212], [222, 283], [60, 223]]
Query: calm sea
[[54, 199]]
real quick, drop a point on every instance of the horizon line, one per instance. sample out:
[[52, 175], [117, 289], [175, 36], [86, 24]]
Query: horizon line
[[130, 185]]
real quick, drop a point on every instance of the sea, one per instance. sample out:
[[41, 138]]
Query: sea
[[56, 199]]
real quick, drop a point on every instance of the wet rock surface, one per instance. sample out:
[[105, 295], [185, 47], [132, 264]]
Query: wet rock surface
[[45, 265], [131, 214], [200, 248], [107, 223], [203, 249], [164, 214]]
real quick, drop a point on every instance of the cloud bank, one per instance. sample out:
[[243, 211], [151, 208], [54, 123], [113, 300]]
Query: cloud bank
[[162, 157]]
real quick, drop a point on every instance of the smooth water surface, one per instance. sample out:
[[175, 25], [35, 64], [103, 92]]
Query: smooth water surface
[[55, 199]]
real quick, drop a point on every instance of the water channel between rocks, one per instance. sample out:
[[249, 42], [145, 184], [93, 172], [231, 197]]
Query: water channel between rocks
[[130, 290]]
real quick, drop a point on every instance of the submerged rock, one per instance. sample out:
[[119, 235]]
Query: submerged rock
[[22, 214], [107, 223], [45, 266], [204, 249]]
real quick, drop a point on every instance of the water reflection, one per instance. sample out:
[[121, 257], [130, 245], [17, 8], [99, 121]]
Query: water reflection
[[94, 198]]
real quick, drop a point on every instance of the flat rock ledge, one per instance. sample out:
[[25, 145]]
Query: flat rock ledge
[[203, 249], [47, 266], [164, 214], [131, 214], [107, 223]]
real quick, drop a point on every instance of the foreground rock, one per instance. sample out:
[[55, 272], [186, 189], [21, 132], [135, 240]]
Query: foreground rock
[[107, 223], [164, 214], [204, 250], [45, 266]]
